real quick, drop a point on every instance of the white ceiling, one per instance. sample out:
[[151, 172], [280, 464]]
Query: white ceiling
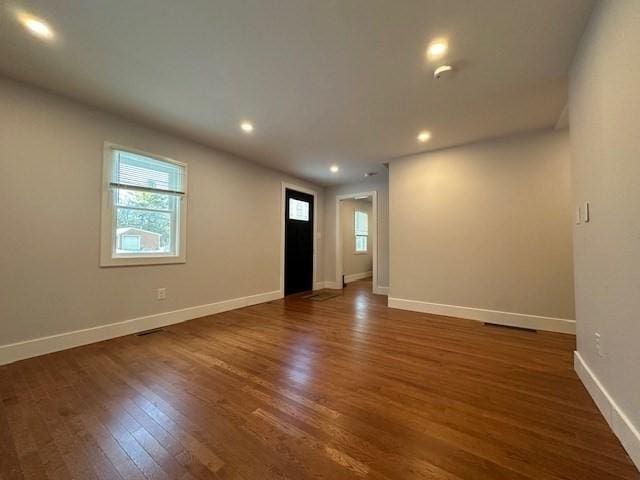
[[325, 81]]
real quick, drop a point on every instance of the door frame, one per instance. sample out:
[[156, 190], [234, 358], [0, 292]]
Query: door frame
[[298, 188], [373, 234]]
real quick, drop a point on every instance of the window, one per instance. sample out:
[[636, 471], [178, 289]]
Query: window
[[362, 232], [298, 210], [143, 208]]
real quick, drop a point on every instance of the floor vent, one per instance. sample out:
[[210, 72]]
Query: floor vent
[[510, 327], [149, 332]]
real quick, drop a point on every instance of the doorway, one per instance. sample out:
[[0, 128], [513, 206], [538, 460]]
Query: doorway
[[356, 238], [299, 212]]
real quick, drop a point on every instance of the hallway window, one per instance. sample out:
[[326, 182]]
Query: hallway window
[[362, 232]]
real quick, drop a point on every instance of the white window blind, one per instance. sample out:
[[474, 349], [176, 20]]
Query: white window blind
[[137, 172]]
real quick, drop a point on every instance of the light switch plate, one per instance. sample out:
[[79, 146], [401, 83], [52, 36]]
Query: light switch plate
[[586, 212]]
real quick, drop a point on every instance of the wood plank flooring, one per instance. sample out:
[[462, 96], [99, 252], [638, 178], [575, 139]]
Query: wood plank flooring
[[296, 389]]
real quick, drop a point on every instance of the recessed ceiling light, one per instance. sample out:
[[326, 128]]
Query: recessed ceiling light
[[334, 168], [424, 136], [437, 49], [246, 127], [36, 26]]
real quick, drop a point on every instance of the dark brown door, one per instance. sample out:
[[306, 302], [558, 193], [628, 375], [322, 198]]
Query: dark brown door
[[298, 246]]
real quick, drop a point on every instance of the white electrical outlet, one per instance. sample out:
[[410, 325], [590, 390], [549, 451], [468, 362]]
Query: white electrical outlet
[[599, 348], [162, 293]]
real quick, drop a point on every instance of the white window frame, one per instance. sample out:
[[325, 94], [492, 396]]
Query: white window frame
[[108, 234], [356, 234]]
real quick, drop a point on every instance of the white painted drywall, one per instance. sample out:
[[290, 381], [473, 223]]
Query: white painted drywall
[[50, 179], [605, 139], [485, 226]]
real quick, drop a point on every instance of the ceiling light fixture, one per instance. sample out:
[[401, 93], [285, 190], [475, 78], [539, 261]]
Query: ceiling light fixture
[[36, 26], [437, 49], [334, 169], [246, 127], [424, 136]]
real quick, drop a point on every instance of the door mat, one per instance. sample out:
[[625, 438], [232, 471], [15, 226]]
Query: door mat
[[321, 296]]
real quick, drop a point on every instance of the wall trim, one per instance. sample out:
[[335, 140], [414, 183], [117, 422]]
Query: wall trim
[[328, 284], [63, 341], [380, 290], [336, 286], [627, 433], [536, 322], [357, 276]]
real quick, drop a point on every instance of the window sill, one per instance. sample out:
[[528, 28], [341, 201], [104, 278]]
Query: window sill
[[139, 261], [361, 253]]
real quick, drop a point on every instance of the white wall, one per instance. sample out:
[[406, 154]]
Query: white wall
[[50, 178], [485, 226], [605, 139], [354, 262], [379, 184]]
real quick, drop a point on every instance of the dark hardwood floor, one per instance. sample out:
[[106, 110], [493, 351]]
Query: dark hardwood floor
[[296, 389]]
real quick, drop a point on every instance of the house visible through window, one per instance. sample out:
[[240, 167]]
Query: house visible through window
[[361, 232], [129, 243], [144, 208]]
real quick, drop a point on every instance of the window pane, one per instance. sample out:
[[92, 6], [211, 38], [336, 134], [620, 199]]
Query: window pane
[[298, 210], [361, 223], [130, 243], [361, 243], [150, 200], [141, 171], [157, 231]]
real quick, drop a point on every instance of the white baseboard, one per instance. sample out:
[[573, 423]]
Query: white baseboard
[[628, 434], [491, 316], [40, 346], [337, 286], [381, 290], [328, 284], [357, 276]]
